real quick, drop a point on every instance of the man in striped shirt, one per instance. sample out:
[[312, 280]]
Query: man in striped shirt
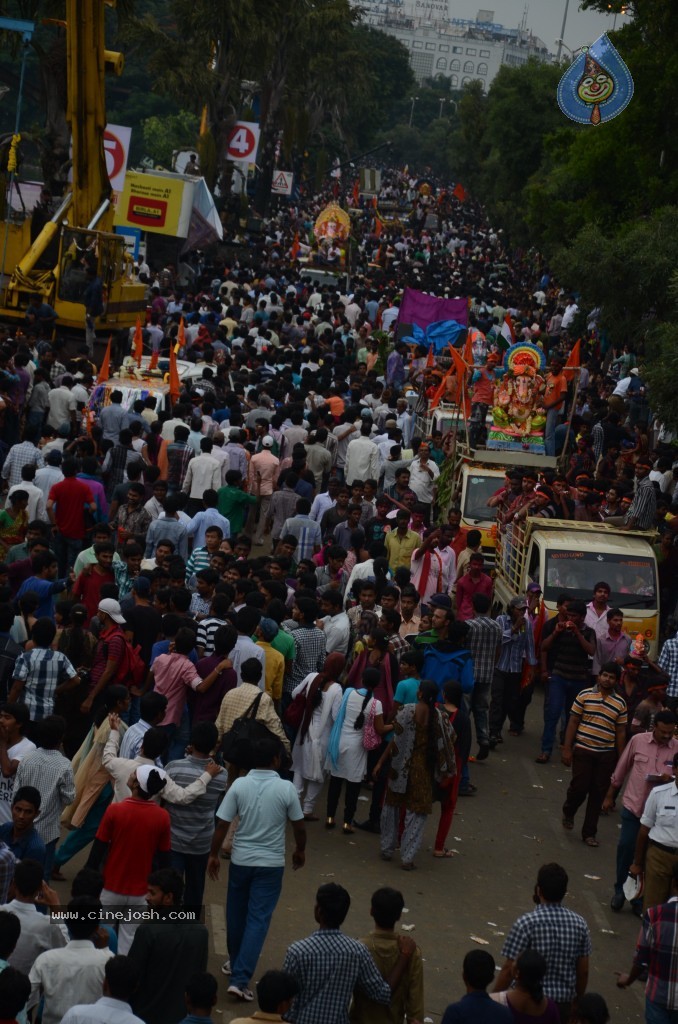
[[595, 737]]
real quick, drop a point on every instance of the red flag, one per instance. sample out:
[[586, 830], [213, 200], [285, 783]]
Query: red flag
[[356, 193], [174, 386], [294, 251], [138, 342], [105, 371], [459, 192], [573, 360]]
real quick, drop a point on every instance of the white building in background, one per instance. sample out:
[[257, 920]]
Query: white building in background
[[459, 49]]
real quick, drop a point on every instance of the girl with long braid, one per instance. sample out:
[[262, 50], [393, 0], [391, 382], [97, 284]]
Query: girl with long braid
[[421, 753], [359, 723]]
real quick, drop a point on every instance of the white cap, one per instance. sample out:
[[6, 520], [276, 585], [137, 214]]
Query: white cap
[[111, 607], [267, 441], [143, 772]]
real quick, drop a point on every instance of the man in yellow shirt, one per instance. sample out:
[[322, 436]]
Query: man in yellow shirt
[[401, 543], [274, 670]]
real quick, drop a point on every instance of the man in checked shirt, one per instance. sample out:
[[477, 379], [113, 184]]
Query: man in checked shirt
[[561, 936], [328, 965]]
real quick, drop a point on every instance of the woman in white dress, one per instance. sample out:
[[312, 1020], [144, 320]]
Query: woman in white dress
[[360, 713], [323, 700]]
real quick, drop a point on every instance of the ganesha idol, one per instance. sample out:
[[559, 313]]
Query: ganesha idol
[[518, 414]]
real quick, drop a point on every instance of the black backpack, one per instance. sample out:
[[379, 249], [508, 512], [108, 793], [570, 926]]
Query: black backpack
[[238, 743]]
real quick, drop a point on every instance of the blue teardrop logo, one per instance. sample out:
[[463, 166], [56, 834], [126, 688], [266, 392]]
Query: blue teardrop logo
[[597, 86]]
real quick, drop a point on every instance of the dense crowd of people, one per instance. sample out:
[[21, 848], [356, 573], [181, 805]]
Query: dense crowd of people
[[231, 612]]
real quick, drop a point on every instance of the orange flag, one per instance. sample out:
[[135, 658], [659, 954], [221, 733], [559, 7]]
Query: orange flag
[[155, 358], [294, 251], [378, 226], [138, 342], [174, 386], [430, 359], [573, 360], [105, 371], [459, 192], [468, 348], [181, 338], [457, 366]]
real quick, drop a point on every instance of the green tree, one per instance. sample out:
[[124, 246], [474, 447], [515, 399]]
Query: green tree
[[163, 135]]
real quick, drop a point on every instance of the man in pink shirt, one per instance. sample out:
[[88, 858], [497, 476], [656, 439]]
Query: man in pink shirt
[[263, 476], [647, 761], [474, 582], [174, 675]]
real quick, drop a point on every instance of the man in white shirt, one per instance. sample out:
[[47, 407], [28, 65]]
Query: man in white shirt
[[203, 474], [390, 315], [113, 1007], [362, 457], [50, 474], [36, 499], [38, 932], [571, 311], [335, 623], [423, 476], [221, 455], [74, 974], [62, 404], [597, 609]]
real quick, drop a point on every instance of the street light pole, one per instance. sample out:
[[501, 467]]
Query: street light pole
[[414, 100], [442, 104], [562, 31]]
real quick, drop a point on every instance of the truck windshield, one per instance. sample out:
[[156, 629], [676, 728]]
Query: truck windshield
[[479, 489], [632, 578]]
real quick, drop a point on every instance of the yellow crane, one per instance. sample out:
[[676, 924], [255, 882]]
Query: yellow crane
[[79, 235]]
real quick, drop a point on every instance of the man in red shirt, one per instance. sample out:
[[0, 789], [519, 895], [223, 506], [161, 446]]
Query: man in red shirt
[[110, 656], [474, 582], [132, 834], [66, 507], [87, 587]]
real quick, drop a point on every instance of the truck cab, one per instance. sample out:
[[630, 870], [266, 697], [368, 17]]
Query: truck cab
[[566, 557], [477, 484]]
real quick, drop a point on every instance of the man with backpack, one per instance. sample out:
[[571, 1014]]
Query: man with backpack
[[111, 655]]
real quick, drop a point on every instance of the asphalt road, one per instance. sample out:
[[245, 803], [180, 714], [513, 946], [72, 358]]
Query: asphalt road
[[501, 837]]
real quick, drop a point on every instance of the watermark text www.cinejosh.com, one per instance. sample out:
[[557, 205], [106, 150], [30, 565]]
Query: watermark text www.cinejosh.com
[[122, 915]]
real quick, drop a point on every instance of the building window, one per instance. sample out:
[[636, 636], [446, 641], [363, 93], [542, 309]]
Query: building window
[[430, 46], [417, 44], [455, 65], [422, 65], [441, 64], [471, 53], [485, 53], [465, 81], [482, 69], [469, 67], [454, 81], [444, 48], [457, 49]]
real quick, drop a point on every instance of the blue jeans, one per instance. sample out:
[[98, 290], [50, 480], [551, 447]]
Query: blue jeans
[[626, 846], [561, 694], [67, 550], [655, 1014], [177, 738], [192, 867], [552, 421], [252, 896]]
